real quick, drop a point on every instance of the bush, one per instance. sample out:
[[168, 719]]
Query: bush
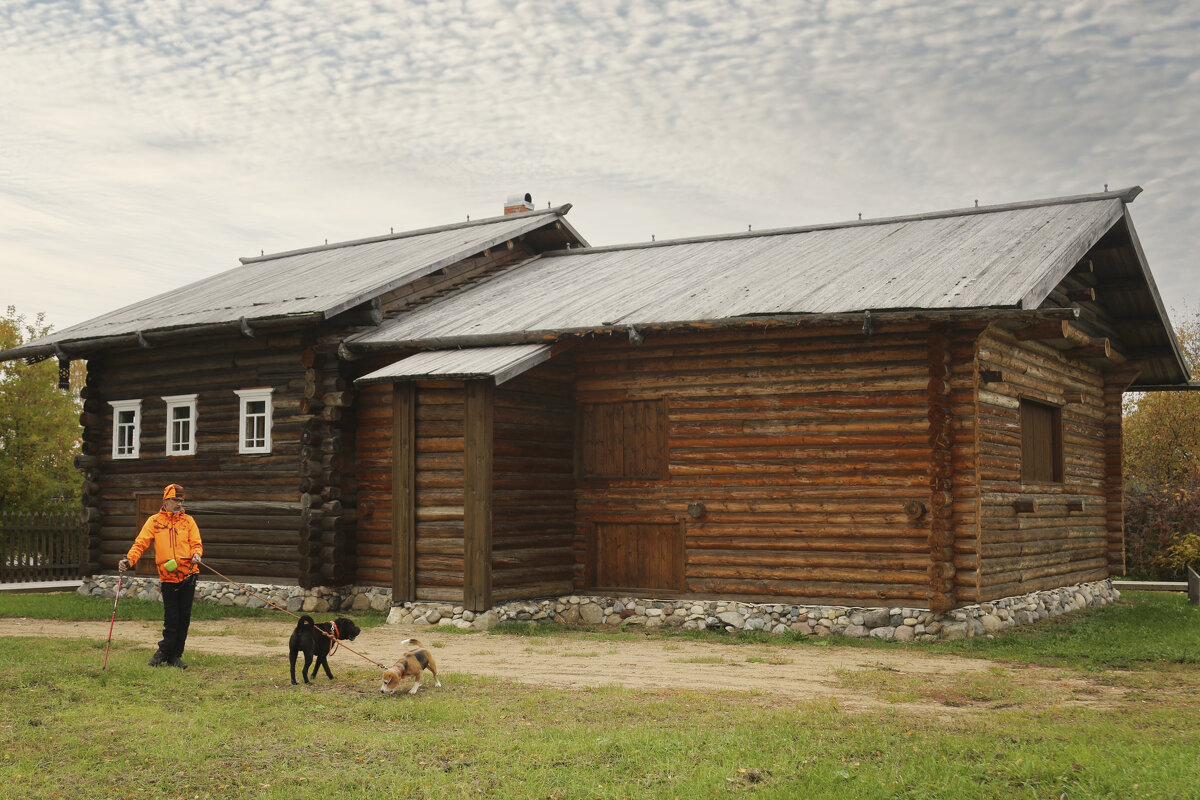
[[1162, 531]]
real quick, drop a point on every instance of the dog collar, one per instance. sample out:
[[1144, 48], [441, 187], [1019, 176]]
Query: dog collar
[[333, 627]]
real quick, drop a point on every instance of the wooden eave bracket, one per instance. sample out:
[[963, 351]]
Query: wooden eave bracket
[[1025, 505], [1084, 346], [1053, 330]]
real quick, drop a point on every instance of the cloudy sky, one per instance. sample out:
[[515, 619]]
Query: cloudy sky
[[147, 144]]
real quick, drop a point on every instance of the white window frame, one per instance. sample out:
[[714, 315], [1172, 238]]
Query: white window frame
[[126, 405], [173, 402], [247, 396]]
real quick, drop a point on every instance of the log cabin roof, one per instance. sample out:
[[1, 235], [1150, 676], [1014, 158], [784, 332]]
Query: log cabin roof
[[302, 285], [1019, 257]]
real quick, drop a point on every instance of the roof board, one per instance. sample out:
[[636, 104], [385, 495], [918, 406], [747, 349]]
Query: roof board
[[976, 258], [500, 363], [322, 280]]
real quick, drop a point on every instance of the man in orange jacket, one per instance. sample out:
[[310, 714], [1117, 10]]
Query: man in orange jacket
[[177, 551]]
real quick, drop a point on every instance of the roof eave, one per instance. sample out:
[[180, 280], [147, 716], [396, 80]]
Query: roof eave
[[354, 345]]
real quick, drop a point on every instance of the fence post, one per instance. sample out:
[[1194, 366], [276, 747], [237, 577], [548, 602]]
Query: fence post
[[1193, 587]]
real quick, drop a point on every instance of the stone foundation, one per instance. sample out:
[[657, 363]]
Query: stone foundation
[[319, 599], [895, 623]]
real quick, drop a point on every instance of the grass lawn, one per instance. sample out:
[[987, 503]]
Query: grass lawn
[[235, 727]]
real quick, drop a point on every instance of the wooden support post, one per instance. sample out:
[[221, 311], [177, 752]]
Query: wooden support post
[[477, 496], [404, 493], [1193, 587]]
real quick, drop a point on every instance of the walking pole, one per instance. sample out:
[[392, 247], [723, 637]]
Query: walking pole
[[113, 620]]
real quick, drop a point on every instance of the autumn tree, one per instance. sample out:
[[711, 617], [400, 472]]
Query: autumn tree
[[1162, 471], [39, 427], [1162, 429]]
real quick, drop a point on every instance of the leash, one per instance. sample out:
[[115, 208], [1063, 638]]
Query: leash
[[333, 637]]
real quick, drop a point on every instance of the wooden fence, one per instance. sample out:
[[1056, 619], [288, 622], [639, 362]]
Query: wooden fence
[[40, 547]]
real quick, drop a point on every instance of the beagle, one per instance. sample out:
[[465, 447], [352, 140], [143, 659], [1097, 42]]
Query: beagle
[[410, 665]]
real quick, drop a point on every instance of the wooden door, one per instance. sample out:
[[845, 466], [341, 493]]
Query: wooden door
[[638, 555], [148, 504]]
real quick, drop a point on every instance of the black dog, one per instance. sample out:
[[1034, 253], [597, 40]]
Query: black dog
[[308, 637]]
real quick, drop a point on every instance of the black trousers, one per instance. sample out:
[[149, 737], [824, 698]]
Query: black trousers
[[177, 615]]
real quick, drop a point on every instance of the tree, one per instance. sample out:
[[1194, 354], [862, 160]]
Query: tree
[[39, 427], [1162, 429], [1162, 473]]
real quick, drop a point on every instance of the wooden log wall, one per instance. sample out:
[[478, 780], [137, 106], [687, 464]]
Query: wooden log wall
[[328, 500], [1115, 384], [1043, 535], [533, 502], [795, 458], [439, 415], [373, 541], [255, 534], [941, 473]]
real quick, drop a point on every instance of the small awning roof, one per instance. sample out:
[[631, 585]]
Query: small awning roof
[[500, 363]]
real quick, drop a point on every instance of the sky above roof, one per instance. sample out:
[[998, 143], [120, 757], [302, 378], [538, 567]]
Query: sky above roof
[[147, 145]]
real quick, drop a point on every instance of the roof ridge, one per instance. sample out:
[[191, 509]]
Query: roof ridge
[[1125, 195], [557, 210]]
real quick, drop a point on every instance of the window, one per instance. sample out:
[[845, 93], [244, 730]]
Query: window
[[623, 440], [254, 420], [181, 424], [1041, 443], [127, 428]]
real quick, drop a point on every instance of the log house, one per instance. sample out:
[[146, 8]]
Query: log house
[[920, 411]]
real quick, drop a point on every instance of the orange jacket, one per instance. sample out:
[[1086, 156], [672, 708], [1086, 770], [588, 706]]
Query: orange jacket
[[175, 536]]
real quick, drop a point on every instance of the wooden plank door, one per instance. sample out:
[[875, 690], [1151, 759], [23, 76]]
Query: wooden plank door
[[148, 504], [638, 555]]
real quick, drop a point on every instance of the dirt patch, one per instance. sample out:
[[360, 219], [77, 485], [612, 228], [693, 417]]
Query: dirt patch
[[850, 677]]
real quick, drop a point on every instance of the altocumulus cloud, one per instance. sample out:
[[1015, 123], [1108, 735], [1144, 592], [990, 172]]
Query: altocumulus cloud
[[143, 144]]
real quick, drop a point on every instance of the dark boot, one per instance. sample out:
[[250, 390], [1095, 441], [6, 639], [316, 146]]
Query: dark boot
[[176, 662], [158, 658]]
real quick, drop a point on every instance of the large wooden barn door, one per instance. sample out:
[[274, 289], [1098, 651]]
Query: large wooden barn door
[[637, 555]]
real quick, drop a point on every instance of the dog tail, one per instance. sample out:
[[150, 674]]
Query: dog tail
[[413, 642], [305, 622]]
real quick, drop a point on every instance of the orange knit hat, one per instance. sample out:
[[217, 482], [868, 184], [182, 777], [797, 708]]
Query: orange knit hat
[[173, 491]]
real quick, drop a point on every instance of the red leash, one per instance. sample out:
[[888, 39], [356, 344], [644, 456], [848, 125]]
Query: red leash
[[113, 621], [333, 638]]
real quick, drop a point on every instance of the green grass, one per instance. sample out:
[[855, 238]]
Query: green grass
[[235, 727], [1144, 628]]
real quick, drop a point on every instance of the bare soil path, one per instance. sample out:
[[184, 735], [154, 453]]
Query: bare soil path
[[851, 677]]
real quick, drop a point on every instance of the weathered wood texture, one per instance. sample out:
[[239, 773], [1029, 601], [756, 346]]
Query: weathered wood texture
[[40, 547], [533, 502], [802, 447], [478, 444], [446, 280], [250, 536], [942, 473], [439, 414], [1115, 383], [1055, 545]]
